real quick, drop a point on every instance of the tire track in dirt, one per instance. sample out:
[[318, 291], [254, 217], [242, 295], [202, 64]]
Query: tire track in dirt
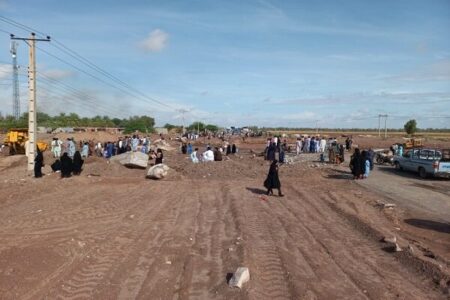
[[202, 262], [262, 251], [417, 273], [359, 258], [215, 233], [150, 256], [62, 214], [96, 263], [62, 220]]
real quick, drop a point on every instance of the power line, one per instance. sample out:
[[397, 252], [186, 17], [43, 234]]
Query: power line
[[89, 100], [73, 100], [132, 94], [88, 63], [8, 33]]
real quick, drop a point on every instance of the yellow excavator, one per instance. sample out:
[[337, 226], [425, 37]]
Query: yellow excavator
[[16, 139], [412, 143]]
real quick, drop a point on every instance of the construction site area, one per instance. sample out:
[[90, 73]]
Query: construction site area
[[111, 233], [254, 150]]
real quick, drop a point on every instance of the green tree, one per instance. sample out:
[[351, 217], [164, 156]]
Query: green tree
[[139, 123], [212, 128], [169, 126], [196, 126], [117, 122], [411, 127]]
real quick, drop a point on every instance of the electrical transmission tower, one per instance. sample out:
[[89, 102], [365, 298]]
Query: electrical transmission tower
[[16, 95]]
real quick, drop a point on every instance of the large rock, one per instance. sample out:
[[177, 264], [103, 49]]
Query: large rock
[[241, 276], [132, 159], [163, 145], [158, 171]]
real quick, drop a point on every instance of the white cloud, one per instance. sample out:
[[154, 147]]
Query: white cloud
[[155, 42], [58, 74], [5, 71], [438, 71], [303, 116], [402, 97]]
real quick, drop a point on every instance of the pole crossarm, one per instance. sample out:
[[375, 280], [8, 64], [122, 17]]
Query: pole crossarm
[[13, 37]]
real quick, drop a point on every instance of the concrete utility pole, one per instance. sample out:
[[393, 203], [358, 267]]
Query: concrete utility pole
[[31, 151], [385, 125], [379, 121]]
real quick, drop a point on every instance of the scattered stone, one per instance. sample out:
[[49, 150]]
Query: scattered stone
[[168, 262], [91, 175], [429, 254], [131, 216], [81, 244], [241, 276], [230, 249], [163, 145], [392, 239], [410, 249], [389, 205], [191, 239], [158, 171]]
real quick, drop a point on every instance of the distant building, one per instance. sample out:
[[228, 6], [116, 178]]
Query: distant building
[[160, 130], [41, 129], [64, 130], [114, 130]]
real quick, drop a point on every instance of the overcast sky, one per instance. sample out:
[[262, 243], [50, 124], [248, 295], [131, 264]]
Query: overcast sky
[[266, 63]]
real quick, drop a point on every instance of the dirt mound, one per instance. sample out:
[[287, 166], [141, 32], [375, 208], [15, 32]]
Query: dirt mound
[[100, 136], [12, 161], [99, 166]]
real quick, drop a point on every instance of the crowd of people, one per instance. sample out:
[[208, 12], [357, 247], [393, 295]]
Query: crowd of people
[[64, 164], [329, 149], [69, 156], [209, 154], [361, 163]]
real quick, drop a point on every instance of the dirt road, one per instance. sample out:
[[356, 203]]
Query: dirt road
[[110, 237], [425, 197]]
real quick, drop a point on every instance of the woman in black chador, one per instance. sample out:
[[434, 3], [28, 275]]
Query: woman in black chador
[[272, 181], [356, 165], [271, 152], [77, 163], [38, 164], [66, 165]]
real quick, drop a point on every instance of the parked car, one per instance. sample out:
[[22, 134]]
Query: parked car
[[427, 162]]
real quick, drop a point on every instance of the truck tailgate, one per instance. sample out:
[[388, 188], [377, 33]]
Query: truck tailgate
[[444, 167]]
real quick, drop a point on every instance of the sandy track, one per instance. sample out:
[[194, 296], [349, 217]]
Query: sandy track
[[179, 239]]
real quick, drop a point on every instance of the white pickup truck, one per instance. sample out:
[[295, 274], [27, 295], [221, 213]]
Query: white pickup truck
[[427, 162]]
